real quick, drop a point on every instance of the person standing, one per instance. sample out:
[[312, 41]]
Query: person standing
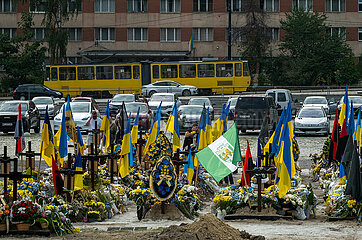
[[91, 123]]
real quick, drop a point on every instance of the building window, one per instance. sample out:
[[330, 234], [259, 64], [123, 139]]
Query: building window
[[104, 5], [75, 34], [306, 5], [360, 5], [360, 34], [272, 34], [104, 34], [38, 7], [170, 35], [9, 31], [236, 5], [203, 34], [237, 35], [39, 34], [72, 6], [7, 6], [270, 5], [203, 5], [335, 5], [137, 5], [337, 31], [170, 6], [137, 34]]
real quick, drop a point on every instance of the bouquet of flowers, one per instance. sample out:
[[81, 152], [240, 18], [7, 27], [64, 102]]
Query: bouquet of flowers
[[187, 201], [4, 212], [140, 196], [24, 210]]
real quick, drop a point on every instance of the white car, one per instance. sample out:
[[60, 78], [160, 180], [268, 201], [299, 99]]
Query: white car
[[42, 102], [169, 87], [316, 101], [311, 120], [201, 101], [357, 103], [167, 99], [81, 112]]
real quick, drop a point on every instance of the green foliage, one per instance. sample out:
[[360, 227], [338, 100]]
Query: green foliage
[[22, 59]]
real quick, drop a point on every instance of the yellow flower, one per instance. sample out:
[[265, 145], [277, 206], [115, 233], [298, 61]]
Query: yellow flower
[[77, 229], [351, 203]]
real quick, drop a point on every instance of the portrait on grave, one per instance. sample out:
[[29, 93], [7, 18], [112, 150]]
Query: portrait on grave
[[163, 179]]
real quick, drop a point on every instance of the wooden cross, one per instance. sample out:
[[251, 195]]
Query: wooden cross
[[30, 158], [176, 159]]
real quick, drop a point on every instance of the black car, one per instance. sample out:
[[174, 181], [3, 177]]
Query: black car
[[250, 112], [29, 91], [9, 115]]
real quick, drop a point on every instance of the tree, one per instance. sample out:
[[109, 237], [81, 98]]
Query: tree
[[22, 58], [311, 55]]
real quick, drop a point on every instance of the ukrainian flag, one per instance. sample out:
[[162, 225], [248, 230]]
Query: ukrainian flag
[[63, 143], [343, 114], [71, 131], [217, 128], [125, 149], [189, 167], [46, 140], [202, 140], [78, 177], [191, 43], [274, 139], [342, 173], [105, 127], [350, 124], [225, 117], [134, 132], [209, 138], [173, 127], [285, 161], [155, 129], [291, 134], [80, 144], [357, 133]]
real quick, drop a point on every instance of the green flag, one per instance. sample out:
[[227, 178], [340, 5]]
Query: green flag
[[220, 158]]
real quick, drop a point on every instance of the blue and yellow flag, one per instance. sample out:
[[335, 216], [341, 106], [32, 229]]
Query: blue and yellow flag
[[202, 140], [191, 43], [209, 138], [46, 140], [225, 117], [173, 127], [342, 173], [80, 144], [69, 122], [78, 177], [155, 129], [189, 167], [125, 149], [63, 143], [217, 128], [291, 135], [284, 159], [350, 124], [106, 128], [134, 132], [343, 114], [357, 133], [274, 139]]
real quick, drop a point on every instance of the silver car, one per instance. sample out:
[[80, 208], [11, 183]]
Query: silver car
[[316, 101], [232, 102], [357, 103], [188, 116], [201, 101], [42, 102], [167, 99], [311, 120], [169, 87]]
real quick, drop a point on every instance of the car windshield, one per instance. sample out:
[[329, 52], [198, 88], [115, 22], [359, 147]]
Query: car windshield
[[315, 101], [233, 101], [133, 108], [191, 110], [252, 103], [42, 101], [311, 113], [199, 101], [123, 98], [78, 107], [165, 98], [13, 107]]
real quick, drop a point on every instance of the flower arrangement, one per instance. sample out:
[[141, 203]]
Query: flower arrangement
[[187, 200], [4, 212], [161, 146], [24, 210], [140, 196]]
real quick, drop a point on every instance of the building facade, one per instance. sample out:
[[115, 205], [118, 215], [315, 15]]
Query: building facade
[[157, 30]]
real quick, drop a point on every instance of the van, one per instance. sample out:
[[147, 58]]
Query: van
[[281, 98], [250, 112]]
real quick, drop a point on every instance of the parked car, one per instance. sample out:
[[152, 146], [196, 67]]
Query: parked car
[[316, 101], [81, 112], [145, 117], [250, 112], [201, 101], [169, 87], [87, 99], [29, 114], [167, 99], [42, 102], [29, 91], [311, 120], [332, 105], [116, 103], [232, 102], [357, 103], [189, 115], [281, 98]]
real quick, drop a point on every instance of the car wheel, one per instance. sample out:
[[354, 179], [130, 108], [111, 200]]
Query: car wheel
[[151, 93], [186, 93], [37, 128], [22, 97]]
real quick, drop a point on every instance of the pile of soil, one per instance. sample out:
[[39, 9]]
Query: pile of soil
[[171, 213], [264, 212], [208, 227]]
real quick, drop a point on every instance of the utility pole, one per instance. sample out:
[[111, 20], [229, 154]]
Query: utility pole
[[229, 29]]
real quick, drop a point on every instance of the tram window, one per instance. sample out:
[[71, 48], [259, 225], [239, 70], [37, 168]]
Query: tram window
[[187, 70], [123, 72], [224, 70], [54, 74], [168, 71], [85, 73], [47, 74], [104, 72], [67, 73], [156, 71], [246, 69], [206, 70], [136, 72], [238, 70]]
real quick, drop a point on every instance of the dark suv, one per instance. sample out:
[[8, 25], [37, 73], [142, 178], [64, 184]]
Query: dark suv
[[250, 112], [29, 91]]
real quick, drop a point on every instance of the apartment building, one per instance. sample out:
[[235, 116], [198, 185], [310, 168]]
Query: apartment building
[[135, 30]]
